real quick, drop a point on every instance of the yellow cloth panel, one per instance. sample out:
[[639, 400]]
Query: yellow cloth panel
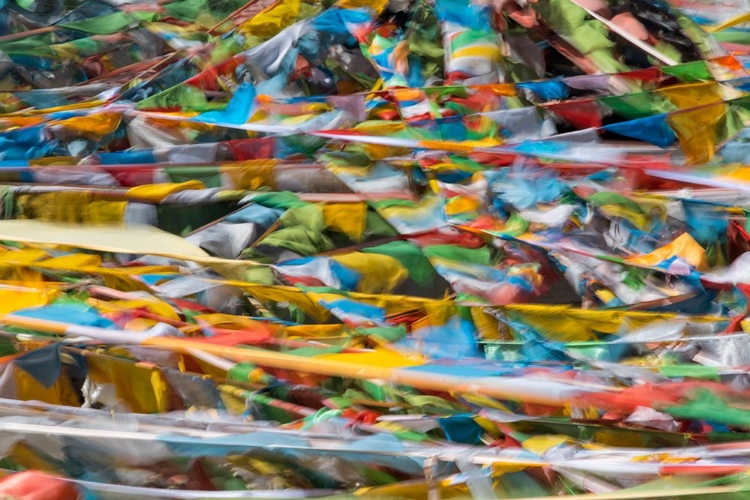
[[64, 206], [20, 273], [462, 205], [502, 89], [73, 261], [157, 192], [377, 5], [380, 152], [317, 297], [491, 52], [541, 444], [13, 300], [684, 246], [439, 312], [84, 263], [379, 128], [143, 388], [460, 147], [140, 324], [63, 161], [152, 305], [29, 389], [429, 322], [422, 208], [209, 369], [272, 19], [102, 212], [96, 124], [382, 128], [18, 265], [124, 283], [692, 95], [395, 304], [26, 256], [136, 270], [284, 294], [381, 358], [234, 399], [348, 218], [416, 490], [9, 121], [69, 206], [231, 322], [570, 324], [486, 324], [478, 400], [378, 273], [697, 131], [316, 331], [407, 94], [741, 173], [251, 175], [611, 437], [10, 270]]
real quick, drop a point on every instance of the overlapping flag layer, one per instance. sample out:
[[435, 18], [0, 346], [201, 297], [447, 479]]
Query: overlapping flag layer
[[377, 249]]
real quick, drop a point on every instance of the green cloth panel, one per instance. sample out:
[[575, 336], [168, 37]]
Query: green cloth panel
[[411, 257], [690, 371], [708, 406], [210, 176], [689, 72], [299, 240], [181, 96], [111, 23], [639, 105], [480, 256]]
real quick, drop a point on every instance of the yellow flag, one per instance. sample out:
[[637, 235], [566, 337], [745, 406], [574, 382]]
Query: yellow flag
[[540, 444], [692, 95], [251, 175], [377, 127], [570, 324], [377, 5], [348, 218], [72, 261], [234, 399], [266, 293], [412, 490], [151, 304], [13, 299], [697, 131], [96, 124], [60, 393], [143, 388], [272, 19], [462, 205], [381, 358], [378, 273], [684, 246], [157, 192], [69, 206]]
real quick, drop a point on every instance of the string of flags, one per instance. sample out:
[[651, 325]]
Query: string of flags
[[414, 249]]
